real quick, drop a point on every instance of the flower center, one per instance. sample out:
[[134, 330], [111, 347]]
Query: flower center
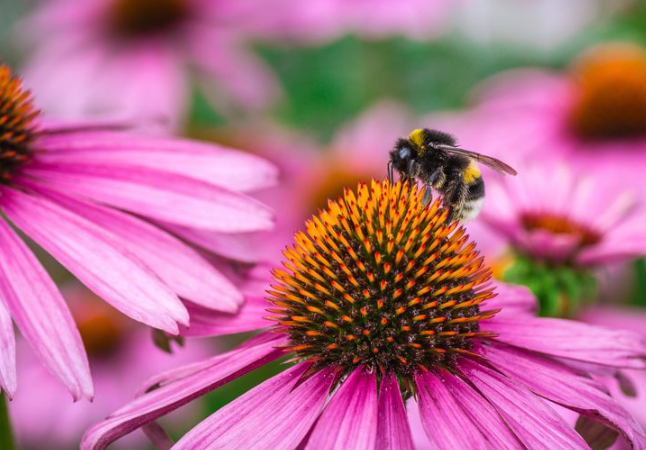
[[17, 130], [102, 329], [332, 186], [557, 224], [611, 100], [141, 17], [381, 280]]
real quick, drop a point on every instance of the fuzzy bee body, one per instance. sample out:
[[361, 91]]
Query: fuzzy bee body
[[433, 158]]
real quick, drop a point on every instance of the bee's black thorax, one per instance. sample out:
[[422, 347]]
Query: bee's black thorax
[[435, 137]]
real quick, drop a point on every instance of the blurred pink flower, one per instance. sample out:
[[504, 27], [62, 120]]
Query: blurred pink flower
[[550, 212], [137, 57], [594, 115], [316, 20], [98, 201], [122, 355], [365, 323]]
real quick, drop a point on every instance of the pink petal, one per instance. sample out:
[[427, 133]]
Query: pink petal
[[210, 163], [7, 352], [572, 339], [96, 258], [533, 421], [350, 419], [393, 431], [186, 384], [455, 416], [513, 300], [277, 414], [159, 195], [206, 322], [188, 274], [558, 383], [237, 246], [41, 315]]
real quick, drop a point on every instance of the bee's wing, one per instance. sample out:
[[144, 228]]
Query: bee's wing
[[488, 161]]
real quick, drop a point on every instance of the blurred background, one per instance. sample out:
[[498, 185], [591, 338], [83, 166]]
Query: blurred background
[[323, 88]]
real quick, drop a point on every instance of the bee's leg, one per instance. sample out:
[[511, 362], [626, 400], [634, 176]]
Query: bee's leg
[[428, 196], [410, 171], [454, 200], [390, 172], [449, 217]]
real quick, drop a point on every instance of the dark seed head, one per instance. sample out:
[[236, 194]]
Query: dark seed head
[[383, 281], [130, 18]]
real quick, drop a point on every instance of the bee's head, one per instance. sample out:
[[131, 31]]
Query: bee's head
[[402, 154]]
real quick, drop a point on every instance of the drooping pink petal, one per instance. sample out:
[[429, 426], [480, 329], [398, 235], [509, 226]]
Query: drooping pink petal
[[350, 419], [41, 314], [7, 352], [97, 259], [278, 414], [571, 339], [210, 163], [393, 430], [179, 388], [562, 385], [188, 274], [454, 415], [532, 420], [159, 195], [206, 322]]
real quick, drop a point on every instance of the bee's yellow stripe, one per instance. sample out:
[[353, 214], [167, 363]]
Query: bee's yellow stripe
[[417, 137], [471, 173]]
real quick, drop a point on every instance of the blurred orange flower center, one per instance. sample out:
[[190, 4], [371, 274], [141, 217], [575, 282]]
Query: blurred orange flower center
[[332, 185], [17, 129], [557, 224], [611, 99], [102, 329], [140, 17]]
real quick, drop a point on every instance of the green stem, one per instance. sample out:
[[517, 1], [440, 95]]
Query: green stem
[[6, 435]]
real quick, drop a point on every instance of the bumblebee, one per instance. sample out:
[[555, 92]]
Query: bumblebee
[[434, 158]]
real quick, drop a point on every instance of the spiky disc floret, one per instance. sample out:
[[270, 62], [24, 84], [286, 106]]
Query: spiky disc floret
[[17, 129], [383, 281]]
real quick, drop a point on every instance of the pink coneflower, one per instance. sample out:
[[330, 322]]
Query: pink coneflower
[[121, 354], [556, 214], [137, 57], [379, 301], [594, 114], [98, 201]]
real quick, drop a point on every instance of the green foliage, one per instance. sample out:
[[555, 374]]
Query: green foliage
[[638, 297], [6, 434], [329, 85], [561, 290]]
